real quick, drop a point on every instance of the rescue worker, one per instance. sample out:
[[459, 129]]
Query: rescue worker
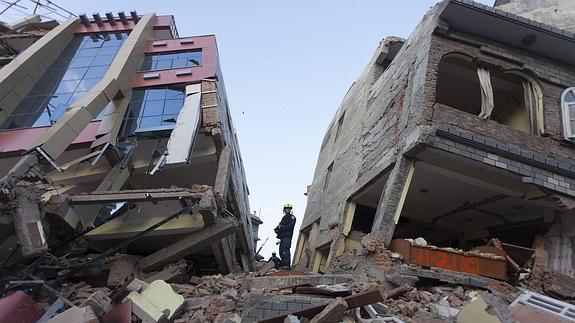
[[284, 232], [277, 261]]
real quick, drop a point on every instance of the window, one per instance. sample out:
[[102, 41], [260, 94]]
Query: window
[[80, 66], [509, 97], [339, 125], [153, 109], [457, 71], [568, 113], [172, 60], [328, 176]]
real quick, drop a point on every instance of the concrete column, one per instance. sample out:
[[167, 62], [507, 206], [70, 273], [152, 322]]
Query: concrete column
[[28, 220], [392, 199]]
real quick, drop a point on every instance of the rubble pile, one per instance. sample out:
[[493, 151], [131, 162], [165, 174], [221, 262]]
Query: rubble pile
[[375, 284]]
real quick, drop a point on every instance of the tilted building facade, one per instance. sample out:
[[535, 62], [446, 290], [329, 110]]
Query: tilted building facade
[[459, 134], [110, 125]]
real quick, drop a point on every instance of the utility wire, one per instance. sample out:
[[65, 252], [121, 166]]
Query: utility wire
[[9, 6]]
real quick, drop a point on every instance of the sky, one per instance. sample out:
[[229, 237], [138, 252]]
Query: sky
[[286, 66]]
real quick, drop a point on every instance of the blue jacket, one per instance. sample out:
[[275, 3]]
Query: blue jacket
[[286, 226]]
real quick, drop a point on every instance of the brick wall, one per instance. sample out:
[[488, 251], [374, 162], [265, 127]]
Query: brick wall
[[550, 145], [210, 105]]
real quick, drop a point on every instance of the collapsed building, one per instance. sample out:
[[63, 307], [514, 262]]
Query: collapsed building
[[461, 134], [117, 131], [17, 36]]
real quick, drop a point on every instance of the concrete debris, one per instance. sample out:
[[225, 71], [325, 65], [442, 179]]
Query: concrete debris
[[399, 293], [99, 302], [156, 302], [266, 268], [121, 265], [291, 319], [76, 314], [477, 311], [172, 273], [333, 312]]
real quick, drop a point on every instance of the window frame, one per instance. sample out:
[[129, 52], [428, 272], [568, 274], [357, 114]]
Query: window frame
[[150, 63], [566, 118]]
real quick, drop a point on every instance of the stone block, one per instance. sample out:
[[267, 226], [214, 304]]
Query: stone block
[[158, 301]]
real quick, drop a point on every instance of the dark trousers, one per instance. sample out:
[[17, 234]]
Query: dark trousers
[[285, 245]]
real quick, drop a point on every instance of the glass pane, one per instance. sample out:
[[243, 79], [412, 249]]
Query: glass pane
[[180, 62], [74, 74], [67, 87], [570, 97], [134, 109], [87, 84], [148, 122], [103, 60], [18, 121], [153, 108], [60, 99], [95, 41], [57, 112], [112, 42], [571, 110], [195, 58], [75, 97], [173, 106], [84, 52], [147, 65], [81, 62], [169, 120], [107, 50], [43, 120], [155, 94], [96, 72], [163, 64], [174, 93], [165, 57], [572, 123], [137, 96], [61, 63]]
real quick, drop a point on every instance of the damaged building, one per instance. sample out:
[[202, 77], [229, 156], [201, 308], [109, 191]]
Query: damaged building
[[116, 132], [17, 36], [461, 134]]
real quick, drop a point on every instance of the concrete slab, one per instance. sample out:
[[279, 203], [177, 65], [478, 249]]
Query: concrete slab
[[156, 302]]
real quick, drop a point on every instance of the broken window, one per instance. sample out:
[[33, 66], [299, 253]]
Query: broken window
[[303, 244], [518, 102], [328, 176], [153, 109], [80, 66], [458, 84], [363, 218], [568, 113], [322, 255], [172, 60], [361, 211], [511, 98], [339, 125]]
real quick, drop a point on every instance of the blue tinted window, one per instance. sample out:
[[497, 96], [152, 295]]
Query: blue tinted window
[[80, 66], [172, 60], [153, 109]]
